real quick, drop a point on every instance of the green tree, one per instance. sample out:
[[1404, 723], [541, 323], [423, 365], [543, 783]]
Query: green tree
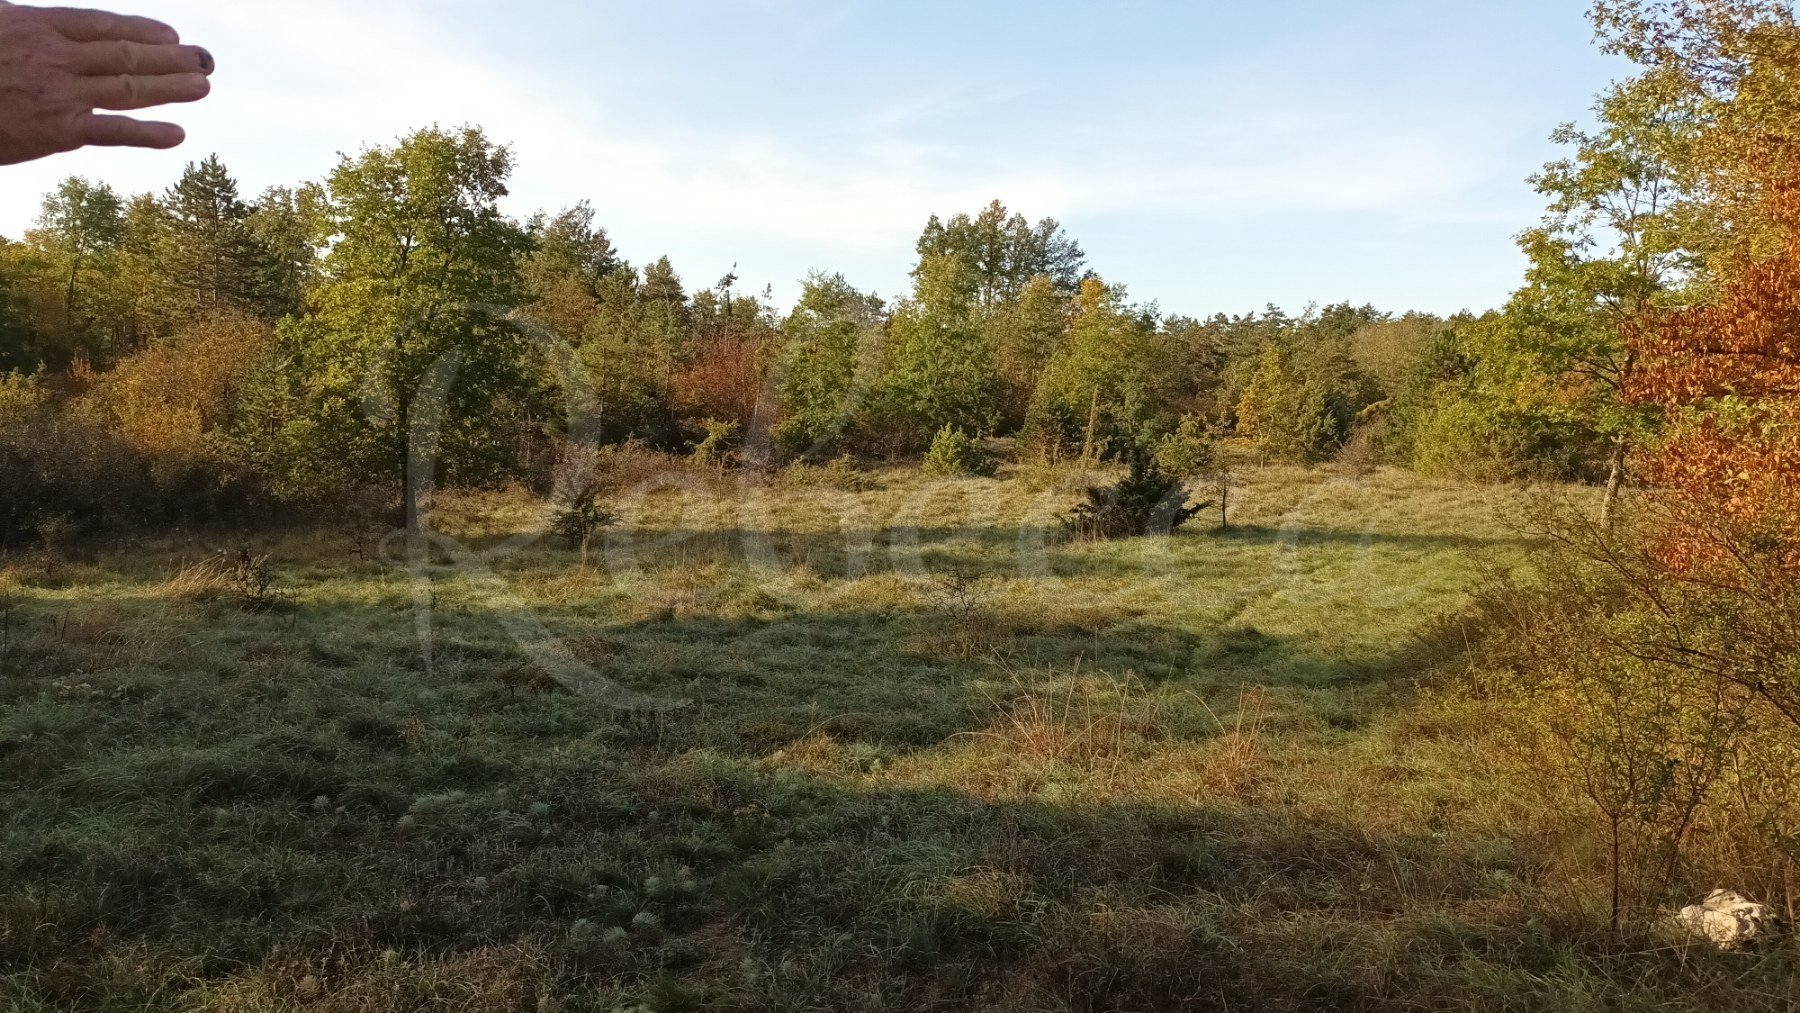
[[569, 259], [1288, 409], [1026, 333], [1106, 390], [407, 365], [830, 352], [940, 368], [1460, 413], [18, 347], [1612, 250], [666, 325], [1001, 252], [138, 279], [209, 252], [288, 224], [78, 232], [624, 349]]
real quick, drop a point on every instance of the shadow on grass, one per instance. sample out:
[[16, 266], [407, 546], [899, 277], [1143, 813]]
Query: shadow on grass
[[224, 805], [603, 874]]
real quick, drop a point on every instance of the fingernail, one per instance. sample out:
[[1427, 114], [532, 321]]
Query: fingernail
[[206, 62]]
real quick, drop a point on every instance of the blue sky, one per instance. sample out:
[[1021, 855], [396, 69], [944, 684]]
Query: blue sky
[[1213, 156]]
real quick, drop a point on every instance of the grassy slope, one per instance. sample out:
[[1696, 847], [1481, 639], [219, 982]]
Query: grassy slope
[[1164, 775]]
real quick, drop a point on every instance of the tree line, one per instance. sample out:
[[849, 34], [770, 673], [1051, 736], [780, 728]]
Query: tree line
[[220, 347]]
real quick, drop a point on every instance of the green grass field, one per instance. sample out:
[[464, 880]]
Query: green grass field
[[927, 759]]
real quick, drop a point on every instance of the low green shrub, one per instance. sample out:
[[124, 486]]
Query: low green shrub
[[1145, 502], [954, 452]]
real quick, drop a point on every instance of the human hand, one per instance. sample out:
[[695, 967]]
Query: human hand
[[57, 66]]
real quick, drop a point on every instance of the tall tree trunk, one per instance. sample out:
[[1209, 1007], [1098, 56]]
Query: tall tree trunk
[[1088, 449], [69, 301], [1615, 482]]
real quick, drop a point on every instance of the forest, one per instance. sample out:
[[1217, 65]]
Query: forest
[[406, 605]]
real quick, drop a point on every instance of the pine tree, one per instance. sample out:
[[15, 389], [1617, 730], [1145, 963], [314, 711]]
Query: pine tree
[[210, 254], [288, 226], [1002, 252]]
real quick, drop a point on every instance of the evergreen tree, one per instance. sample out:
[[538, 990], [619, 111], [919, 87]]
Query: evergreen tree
[[1288, 409], [1002, 252], [622, 348], [830, 348], [288, 225], [1026, 333], [665, 321], [210, 253], [563, 273]]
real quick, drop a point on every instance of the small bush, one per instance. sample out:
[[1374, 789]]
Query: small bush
[[631, 465], [715, 450], [578, 522], [1145, 502], [954, 452], [243, 577]]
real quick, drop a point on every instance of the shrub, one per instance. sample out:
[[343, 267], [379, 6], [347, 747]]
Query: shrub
[[1100, 394], [715, 450], [175, 398], [1289, 410], [955, 452], [1656, 699], [724, 382], [1460, 434], [1188, 451], [578, 522], [21, 397], [61, 461], [1145, 502], [243, 577]]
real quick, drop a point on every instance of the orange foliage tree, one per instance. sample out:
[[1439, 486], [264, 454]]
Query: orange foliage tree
[[1719, 558]]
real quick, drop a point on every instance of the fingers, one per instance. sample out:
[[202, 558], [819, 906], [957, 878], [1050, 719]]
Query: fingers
[[103, 59], [127, 91], [99, 26], [125, 132]]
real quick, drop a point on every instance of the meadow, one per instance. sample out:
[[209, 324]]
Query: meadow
[[887, 744]]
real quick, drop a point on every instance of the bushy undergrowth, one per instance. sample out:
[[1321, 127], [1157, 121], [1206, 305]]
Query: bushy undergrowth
[[1655, 701], [842, 473], [75, 466]]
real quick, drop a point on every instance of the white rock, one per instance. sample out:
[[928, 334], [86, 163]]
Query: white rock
[[1728, 919]]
